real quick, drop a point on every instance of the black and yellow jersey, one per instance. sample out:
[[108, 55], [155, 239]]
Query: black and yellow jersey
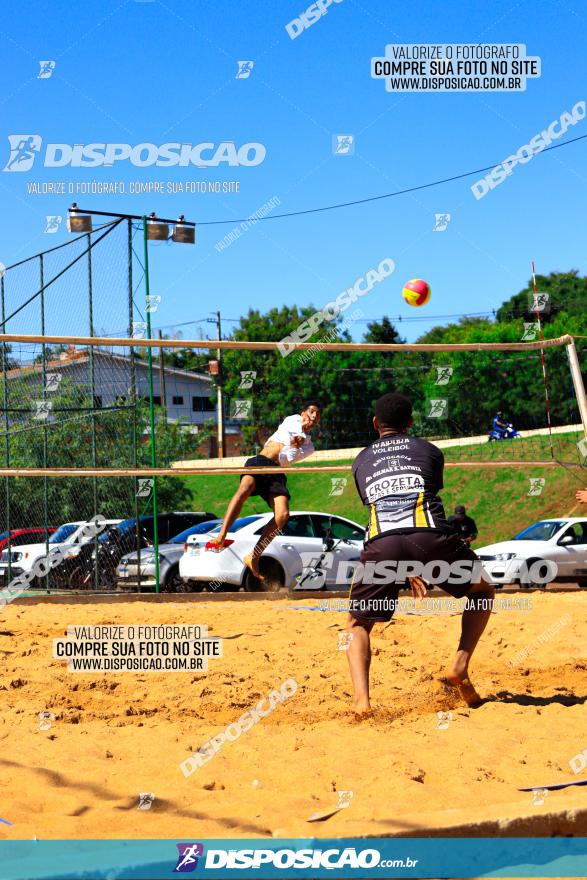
[[398, 478]]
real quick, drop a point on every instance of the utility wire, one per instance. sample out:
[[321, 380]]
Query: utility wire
[[390, 195]]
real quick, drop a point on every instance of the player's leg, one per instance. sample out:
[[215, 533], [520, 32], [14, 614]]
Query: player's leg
[[359, 657], [279, 504], [476, 614], [245, 489]]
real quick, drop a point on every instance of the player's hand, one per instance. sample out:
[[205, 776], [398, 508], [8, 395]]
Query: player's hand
[[582, 496], [418, 586], [296, 441]]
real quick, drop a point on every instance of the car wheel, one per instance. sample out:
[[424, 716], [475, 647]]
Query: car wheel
[[534, 583], [175, 583], [273, 578], [78, 579]]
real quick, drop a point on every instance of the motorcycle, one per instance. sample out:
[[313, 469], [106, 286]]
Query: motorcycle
[[507, 433], [314, 576]]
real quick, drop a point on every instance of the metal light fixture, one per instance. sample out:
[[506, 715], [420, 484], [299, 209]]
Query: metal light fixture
[[184, 233], [156, 231], [78, 222]]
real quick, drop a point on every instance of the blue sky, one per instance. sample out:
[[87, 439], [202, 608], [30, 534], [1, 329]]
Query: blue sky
[[133, 72]]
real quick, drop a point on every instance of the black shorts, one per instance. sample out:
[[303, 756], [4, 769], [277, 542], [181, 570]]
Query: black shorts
[[376, 601], [267, 484]]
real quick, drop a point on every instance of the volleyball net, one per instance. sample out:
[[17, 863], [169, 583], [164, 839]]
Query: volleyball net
[[128, 427]]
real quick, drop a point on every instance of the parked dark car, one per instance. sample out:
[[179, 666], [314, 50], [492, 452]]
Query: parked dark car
[[127, 537], [170, 552]]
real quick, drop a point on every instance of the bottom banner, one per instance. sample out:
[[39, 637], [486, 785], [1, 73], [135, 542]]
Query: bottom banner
[[303, 858]]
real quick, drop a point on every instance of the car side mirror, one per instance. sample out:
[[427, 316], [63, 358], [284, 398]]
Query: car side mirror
[[328, 542], [566, 539]]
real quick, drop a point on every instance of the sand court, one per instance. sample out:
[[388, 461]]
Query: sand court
[[424, 762]]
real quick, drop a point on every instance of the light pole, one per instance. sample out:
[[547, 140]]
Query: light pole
[[154, 229]]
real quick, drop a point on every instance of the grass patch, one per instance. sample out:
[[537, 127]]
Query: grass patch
[[497, 498]]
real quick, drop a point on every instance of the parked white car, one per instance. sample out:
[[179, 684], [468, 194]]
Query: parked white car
[[550, 547], [283, 561], [68, 537]]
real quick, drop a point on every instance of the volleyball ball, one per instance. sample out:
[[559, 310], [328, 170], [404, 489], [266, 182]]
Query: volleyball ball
[[416, 292]]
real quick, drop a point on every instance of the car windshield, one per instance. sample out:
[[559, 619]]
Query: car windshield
[[237, 524], [123, 527], [241, 523], [63, 533], [201, 529], [542, 531]]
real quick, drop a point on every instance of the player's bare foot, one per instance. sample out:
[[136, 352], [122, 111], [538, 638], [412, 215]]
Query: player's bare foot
[[252, 563], [362, 709], [465, 687]]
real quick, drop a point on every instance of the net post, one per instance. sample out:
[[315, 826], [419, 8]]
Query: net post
[[6, 421], [45, 433], [94, 445], [578, 383], [151, 408], [133, 391]]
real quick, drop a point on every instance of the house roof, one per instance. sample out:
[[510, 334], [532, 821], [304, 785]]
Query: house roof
[[68, 358]]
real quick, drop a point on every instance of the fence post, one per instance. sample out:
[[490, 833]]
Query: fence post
[[151, 408]]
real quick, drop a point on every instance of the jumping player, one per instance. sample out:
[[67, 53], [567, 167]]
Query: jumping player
[[289, 444], [398, 478]]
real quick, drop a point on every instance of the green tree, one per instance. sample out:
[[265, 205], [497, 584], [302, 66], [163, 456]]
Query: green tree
[[75, 434], [567, 292]]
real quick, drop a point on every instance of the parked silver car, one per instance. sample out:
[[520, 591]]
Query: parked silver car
[[169, 556]]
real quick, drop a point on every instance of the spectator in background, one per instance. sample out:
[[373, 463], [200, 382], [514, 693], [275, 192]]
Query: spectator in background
[[463, 525]]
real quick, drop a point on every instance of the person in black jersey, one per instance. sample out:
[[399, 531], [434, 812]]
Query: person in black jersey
[[463, 525], [398, 478]]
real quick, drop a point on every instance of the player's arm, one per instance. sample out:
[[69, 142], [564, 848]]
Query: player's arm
[[582, 496]]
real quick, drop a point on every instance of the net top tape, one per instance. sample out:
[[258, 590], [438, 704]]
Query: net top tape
[[227, 344]]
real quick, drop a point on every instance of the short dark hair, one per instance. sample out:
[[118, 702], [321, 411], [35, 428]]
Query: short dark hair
[[393, 411], [311, 401], [460, 508]]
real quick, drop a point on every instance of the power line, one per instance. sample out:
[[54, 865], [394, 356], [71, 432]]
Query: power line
[[398, 192]]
